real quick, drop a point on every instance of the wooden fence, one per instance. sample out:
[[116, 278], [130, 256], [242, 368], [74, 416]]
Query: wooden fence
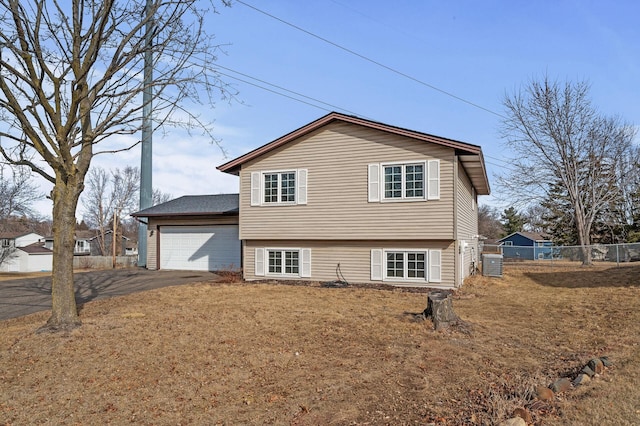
[[103, 262]]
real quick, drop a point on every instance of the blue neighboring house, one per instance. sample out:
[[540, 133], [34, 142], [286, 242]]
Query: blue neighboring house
[[527, 246]]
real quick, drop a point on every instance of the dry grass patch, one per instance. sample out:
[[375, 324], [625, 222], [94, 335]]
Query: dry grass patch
[[7, 276], [275, 354]]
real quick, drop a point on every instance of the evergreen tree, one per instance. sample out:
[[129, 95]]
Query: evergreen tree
[[558, 219], [512, 221]]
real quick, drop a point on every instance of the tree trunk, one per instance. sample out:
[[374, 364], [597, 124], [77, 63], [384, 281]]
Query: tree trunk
[[440, 309], [583, 235], [64, 312]]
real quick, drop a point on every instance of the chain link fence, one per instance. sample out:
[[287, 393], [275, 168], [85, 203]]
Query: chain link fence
[[615, 253]]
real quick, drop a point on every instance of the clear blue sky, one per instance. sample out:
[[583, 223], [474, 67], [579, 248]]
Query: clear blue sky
[[477, 51]]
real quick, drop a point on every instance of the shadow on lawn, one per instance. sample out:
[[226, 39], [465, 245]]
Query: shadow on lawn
[[626, 276], [88, 286]]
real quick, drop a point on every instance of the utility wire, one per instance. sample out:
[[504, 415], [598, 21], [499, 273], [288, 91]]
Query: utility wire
[[335, 107], [277, 93], [217, 67], [388, 68], [505, 162]]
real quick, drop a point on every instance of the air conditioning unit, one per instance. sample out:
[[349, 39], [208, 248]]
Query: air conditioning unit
[[492, 265]]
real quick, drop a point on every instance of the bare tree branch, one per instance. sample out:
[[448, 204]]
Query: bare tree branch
[[71, 77], [560, 138]]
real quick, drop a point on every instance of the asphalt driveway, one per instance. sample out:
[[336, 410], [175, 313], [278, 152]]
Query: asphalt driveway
[[26, 296]]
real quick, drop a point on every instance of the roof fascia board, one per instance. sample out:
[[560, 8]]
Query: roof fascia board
[[168, 214]]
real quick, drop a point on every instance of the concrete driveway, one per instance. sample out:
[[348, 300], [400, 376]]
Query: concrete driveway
[[26, 296]]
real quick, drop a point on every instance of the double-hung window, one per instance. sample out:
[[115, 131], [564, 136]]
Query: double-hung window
[[280, 187], [404, 181], [284, 262], [6, 242], [420, 265], [406, 265], [272, 188]]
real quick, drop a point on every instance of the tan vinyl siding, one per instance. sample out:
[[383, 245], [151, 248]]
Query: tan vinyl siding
[[337, 158], [467, 222], [467, 216], [354, 258], [152, 249]]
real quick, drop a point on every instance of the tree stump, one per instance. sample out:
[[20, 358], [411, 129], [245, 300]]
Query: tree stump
[[440, 309]]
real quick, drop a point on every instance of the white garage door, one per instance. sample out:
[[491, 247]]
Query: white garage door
[[199, 248]]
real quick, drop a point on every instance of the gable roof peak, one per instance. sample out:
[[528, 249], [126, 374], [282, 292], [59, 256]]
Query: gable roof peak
[[470, 155]]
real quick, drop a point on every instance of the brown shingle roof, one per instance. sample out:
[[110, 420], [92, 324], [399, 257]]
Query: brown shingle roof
[[11, 235], [35, 248]]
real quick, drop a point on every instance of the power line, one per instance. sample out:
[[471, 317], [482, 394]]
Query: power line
[[502, 160], [505, 162], [335, 107], [388, 68], [216, 68], [276, 92]]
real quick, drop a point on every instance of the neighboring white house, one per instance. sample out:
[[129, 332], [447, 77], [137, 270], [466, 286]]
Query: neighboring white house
[[18, 239], [30, 255]]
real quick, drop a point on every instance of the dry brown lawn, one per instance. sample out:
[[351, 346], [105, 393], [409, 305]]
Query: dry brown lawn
[[5, 276], [213, 353]]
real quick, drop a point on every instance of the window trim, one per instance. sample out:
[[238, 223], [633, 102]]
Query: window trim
[[403, 196], [405, 277], [430, 181], [279, 201], [82, 246], [257, 187], [405, 265], [261, 268], [433, 271]]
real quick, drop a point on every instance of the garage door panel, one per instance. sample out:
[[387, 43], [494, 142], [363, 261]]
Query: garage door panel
[[202, 248]]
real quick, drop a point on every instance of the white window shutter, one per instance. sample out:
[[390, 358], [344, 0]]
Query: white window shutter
[[255, 188], [374, 183], [301, 196], [259, 262], [433, 192], [376, 265], [473, 198], [305, 272], [435, 266]]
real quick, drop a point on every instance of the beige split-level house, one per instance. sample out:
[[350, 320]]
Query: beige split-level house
[[345, 198]]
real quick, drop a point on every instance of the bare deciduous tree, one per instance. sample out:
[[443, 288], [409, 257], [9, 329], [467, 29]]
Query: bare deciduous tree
[[159, 197], [489, 222], [559, 136], [71, 82], [17, 193], [108, 195], [7, 253]]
